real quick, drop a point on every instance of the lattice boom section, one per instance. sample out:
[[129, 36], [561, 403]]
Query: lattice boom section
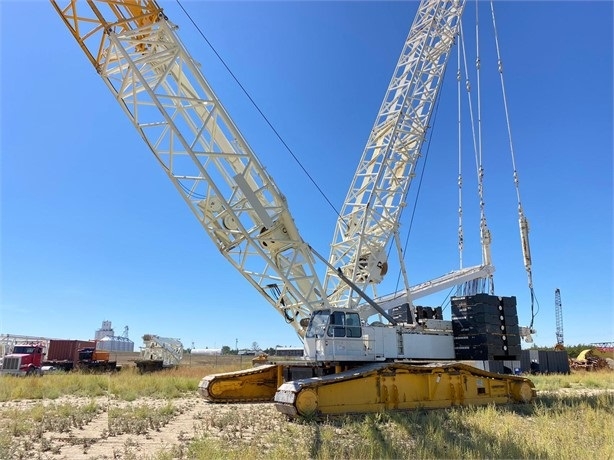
[[178, 115], [372, 208]]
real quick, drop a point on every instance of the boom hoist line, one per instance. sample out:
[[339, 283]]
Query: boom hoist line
[[136, 51]]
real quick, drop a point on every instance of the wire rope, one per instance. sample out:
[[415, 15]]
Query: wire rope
[[264, 117], [522, 220]]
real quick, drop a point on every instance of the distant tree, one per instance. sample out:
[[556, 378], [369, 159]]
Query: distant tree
[[270, 351], [541, 347], [255, 346], [574, 350], [226, 350]]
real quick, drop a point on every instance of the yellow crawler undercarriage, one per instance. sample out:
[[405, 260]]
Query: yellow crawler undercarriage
[[369, 388]]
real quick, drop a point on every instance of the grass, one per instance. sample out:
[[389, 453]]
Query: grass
[[139, 419], [126, 385], [129, 385], [22, 430], [577, 380], [53, 386], [558, 425], [553, 427]]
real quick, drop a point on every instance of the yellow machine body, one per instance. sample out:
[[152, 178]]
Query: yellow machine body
[[369, 388], [252, 385]]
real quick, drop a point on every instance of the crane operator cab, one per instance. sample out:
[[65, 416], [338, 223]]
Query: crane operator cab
[[339, 335]]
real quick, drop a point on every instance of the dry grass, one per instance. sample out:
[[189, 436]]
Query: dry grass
[[541, 430], [158, 416], [127, 384], [603, 379]]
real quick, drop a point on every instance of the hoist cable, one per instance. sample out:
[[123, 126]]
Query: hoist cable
[[523, 223], [259, 110], [477, 155], [504, 95], [484, 231], [469, 101], [461, 241]]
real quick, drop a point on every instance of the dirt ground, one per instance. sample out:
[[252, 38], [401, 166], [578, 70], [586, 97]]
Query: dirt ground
[[139, 429], [105, 437], [144, 437]]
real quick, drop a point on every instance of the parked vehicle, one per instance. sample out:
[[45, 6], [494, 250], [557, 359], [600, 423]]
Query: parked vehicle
[[64, 355], [159, 353], [24, 360]]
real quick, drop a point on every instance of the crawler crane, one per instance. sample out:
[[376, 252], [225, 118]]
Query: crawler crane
[[350, 365]]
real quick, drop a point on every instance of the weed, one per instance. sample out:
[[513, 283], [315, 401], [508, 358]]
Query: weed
[[139, 419]]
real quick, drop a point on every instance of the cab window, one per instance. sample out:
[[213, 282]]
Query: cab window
[[317, 324], [336, 326], [343, 324], [353, 325]]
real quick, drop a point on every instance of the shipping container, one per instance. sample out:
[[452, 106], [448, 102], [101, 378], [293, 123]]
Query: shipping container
[[67, 350], [558, 362]]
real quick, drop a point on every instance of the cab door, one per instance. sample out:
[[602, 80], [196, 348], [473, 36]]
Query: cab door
[[344, 339]]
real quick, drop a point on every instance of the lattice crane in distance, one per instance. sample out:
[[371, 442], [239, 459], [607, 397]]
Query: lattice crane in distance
[[558, 311], [349, 365]]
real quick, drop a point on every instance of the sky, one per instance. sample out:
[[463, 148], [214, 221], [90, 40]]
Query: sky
[[92, 230]]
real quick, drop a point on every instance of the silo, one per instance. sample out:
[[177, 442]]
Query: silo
[[115, 344], [105, 331]]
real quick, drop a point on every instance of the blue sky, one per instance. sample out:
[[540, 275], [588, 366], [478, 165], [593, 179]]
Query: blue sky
[[92, 230]]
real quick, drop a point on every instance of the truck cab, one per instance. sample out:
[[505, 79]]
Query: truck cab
[[24, 360]]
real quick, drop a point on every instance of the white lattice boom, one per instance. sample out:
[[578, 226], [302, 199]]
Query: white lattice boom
[[136, 51], [370, 215]]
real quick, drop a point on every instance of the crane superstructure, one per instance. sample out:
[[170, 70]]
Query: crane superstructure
[[137, 52], [369, 219]]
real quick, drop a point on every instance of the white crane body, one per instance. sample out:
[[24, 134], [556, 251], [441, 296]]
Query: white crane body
[[138, 54], [342, 343]]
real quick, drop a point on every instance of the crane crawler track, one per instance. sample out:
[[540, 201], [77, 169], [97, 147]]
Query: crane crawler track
[[257, 384], [400, 386]]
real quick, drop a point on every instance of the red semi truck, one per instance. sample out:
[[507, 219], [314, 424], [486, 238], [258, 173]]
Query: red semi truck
[[24, 360], [62, 354]]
